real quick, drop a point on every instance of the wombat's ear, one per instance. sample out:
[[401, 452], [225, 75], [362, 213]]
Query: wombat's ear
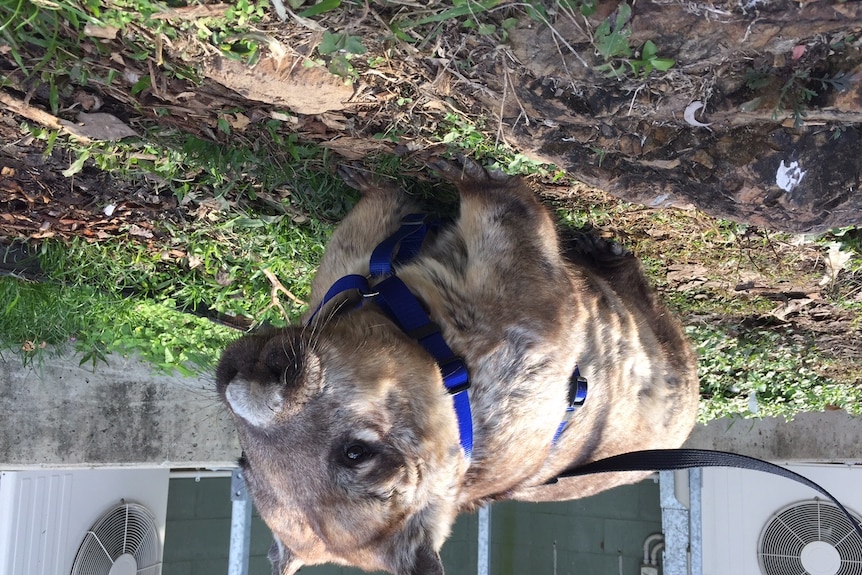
[[425, 562], [283, 561]]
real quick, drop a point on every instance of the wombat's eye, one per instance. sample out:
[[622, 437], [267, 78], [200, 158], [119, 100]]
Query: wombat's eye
[[355, 453]]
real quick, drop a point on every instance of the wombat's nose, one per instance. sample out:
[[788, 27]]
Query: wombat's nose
[[239, 358], [282, 358], [264, 357], [266, 377]]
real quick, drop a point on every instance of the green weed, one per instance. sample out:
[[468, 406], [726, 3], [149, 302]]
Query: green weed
[[460, 8], [792, 87], [54, 318], [761, 374], [611, 41], [340, 49]]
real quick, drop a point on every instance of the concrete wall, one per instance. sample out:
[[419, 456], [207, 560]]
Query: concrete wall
[[62, 414], [829, 436], [58, 413]]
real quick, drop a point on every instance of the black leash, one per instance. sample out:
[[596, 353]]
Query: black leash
[[673, 459]]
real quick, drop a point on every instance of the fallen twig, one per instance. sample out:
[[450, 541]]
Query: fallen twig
[[276, 288], [42, 117]]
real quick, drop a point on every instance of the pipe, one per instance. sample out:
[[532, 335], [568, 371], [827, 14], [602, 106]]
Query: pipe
[[647, 542]]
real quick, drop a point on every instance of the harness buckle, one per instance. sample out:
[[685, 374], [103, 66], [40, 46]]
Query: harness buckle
[[455, 375], [577, 397], [577, 389]]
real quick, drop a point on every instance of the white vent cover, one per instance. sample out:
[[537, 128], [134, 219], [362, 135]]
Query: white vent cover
[[810, 537], [125, 541]]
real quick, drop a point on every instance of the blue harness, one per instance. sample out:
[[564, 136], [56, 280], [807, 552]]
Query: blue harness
[[402, 307]]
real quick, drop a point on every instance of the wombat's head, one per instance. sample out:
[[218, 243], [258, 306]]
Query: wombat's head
[[350, 443]]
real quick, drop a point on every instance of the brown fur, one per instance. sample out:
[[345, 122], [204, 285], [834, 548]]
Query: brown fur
[[522, 306]]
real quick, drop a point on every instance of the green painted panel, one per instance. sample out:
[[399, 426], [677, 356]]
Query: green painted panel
[[588, 536]]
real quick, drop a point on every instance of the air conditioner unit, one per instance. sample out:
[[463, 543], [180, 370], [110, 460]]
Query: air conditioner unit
[[759, 524], [82, 522]]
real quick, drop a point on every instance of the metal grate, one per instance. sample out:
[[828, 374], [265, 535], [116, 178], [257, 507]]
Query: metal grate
[[125, 540], [810, 537]]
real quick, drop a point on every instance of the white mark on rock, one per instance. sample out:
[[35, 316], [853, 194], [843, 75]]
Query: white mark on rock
[[659, 201], [788, 177], [689, 113]]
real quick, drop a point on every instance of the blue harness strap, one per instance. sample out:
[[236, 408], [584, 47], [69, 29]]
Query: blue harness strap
[[400, 247], [577, 397], [402, 307], [399, 303], [341, 285], [406, 311]]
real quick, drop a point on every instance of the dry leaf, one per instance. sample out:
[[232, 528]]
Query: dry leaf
[[238, 121], [103, 32], [336, 122], [354, 148], [137, 230], [99, 126], [89, 102], [836, 259], [283, 82]]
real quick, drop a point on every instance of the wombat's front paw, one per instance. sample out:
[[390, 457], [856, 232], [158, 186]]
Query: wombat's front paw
[[463, 168], [598, 248], [362, 179]]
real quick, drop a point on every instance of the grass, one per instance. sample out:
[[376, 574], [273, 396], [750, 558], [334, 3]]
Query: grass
[[51, 318], [760, 373], [261, 200], [223, 261], [130, 297]]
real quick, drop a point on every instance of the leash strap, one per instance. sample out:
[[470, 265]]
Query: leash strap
[[673, 459]]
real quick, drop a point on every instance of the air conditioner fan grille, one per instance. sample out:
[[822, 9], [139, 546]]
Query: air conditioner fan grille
[[128, 529], [810, 537]]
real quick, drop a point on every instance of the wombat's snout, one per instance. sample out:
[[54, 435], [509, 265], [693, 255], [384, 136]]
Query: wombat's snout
[[282, 358], [262, 377]]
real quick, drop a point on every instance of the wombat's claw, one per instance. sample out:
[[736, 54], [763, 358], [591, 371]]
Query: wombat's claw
[[610, 247], [600, 248], [355, 177], [463, 168]]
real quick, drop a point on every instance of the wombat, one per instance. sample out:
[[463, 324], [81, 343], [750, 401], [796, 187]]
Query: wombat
[[353, 451]]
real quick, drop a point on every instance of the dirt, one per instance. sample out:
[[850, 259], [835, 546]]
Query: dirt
[[629, 136], [38, 202], [755, 150]]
